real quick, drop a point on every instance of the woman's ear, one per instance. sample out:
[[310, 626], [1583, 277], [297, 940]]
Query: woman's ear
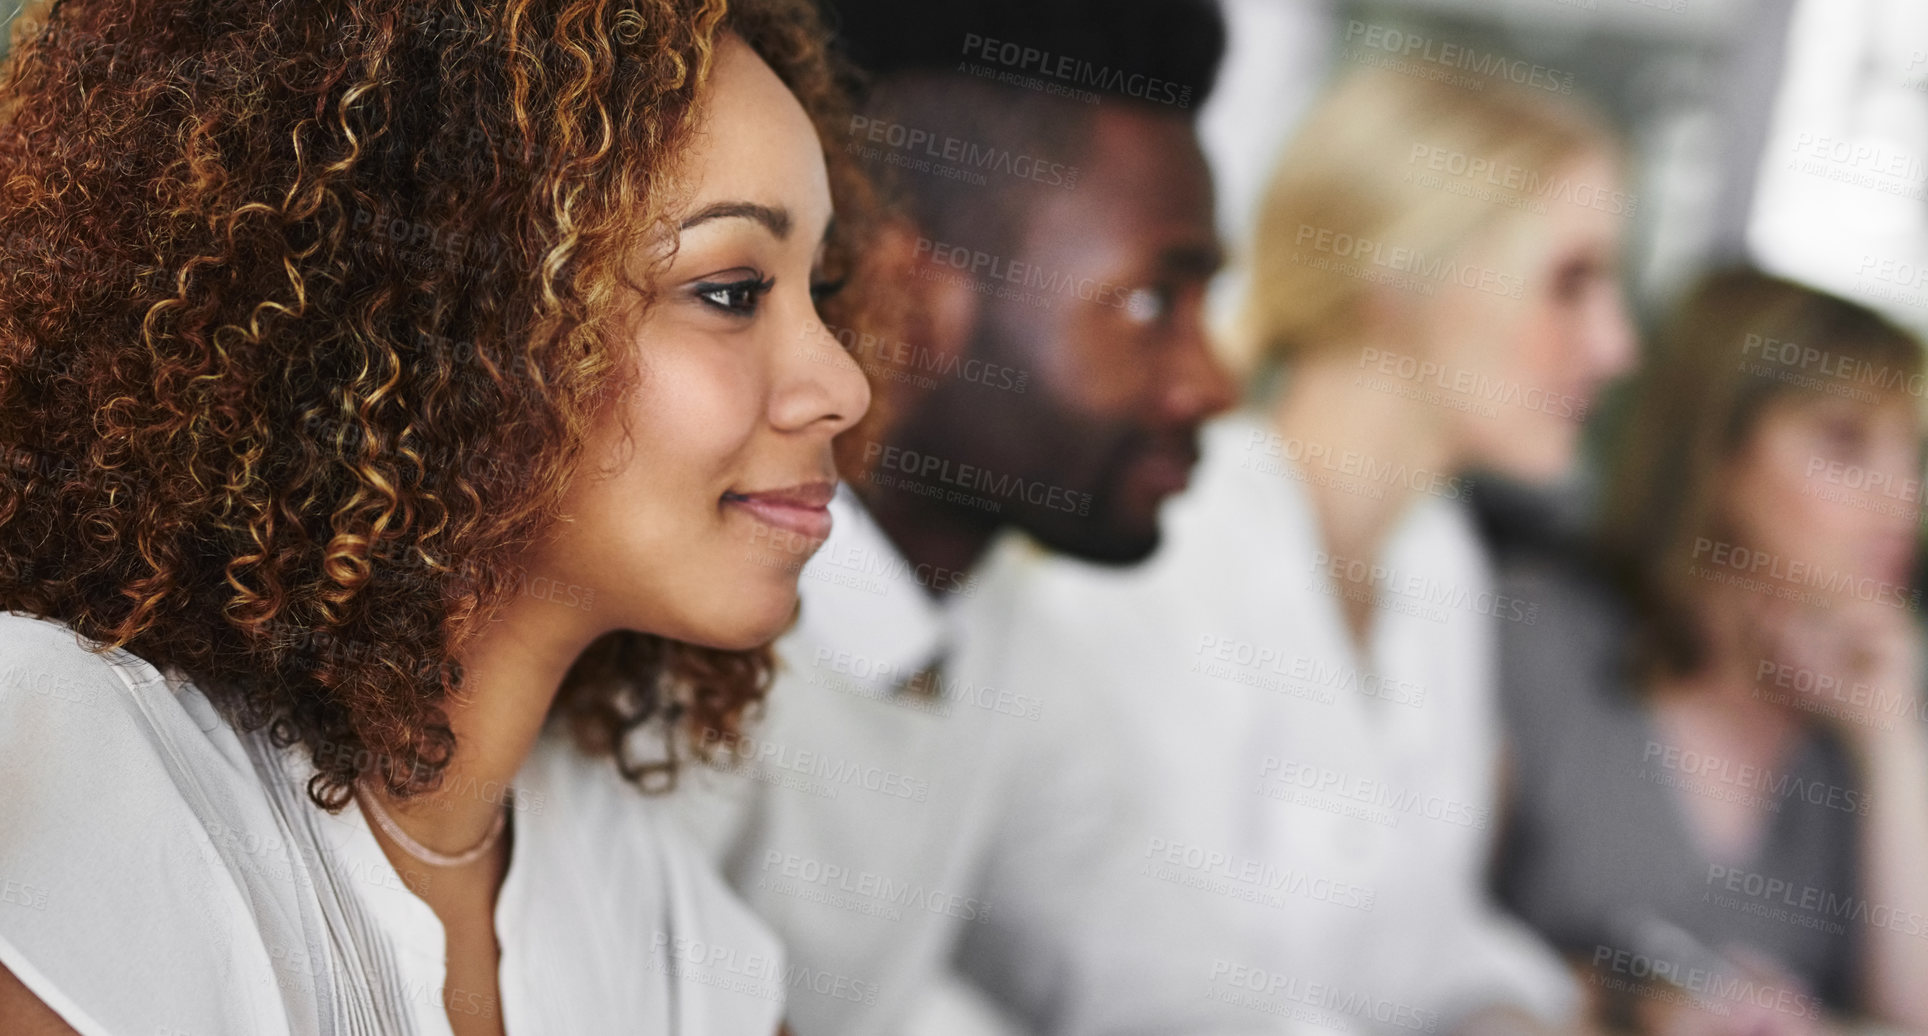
[[1389, 313]]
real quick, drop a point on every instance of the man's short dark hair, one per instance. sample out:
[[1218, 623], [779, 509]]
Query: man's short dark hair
[[1161, 52], [1018, 82]]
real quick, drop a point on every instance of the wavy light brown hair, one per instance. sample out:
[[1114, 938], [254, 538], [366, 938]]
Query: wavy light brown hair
[[305, 310], [1698, 402]]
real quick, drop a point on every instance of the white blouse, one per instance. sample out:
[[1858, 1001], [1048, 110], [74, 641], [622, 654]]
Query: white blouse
[[161, 874]]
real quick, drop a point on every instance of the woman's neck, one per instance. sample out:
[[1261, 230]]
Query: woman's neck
[[1732, 651], [1722, 689], [512, 671], [1720, 719], [1349, 431], [1715, 713]]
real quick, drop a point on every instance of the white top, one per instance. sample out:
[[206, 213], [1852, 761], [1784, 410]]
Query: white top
[[1322, 819], [164, 875], [890, 837]]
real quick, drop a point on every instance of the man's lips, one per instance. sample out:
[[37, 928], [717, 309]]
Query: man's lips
[[803, 509], [1166, 471]]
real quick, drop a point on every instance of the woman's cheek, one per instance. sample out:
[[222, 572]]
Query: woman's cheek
[[1794, 522], [701, 411]]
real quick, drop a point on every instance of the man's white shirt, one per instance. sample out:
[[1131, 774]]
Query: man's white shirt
[[892, 836]]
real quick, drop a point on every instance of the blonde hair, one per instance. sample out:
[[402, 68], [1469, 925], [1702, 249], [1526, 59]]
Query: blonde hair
[[1391, 160]]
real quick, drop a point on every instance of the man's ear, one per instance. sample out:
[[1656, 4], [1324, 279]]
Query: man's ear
[[942, 302], [922, 316]]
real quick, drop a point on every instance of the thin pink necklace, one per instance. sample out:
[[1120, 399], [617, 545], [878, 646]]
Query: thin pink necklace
[[424, 853]]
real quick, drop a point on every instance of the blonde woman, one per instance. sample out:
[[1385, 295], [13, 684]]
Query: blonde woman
[[1307, 664]]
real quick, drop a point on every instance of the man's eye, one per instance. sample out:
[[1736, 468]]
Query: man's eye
[[824, 291], [1148, 305], [739, 298]]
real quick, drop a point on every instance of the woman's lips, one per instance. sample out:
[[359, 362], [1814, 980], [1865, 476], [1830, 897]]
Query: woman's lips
[[1580, 400], [801, 509]]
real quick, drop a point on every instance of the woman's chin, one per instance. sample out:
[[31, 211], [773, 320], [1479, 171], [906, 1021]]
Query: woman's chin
[[1540, 455], [753, 621]]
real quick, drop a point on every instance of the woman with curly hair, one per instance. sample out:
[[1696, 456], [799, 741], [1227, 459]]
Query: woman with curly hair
[[401, 404]]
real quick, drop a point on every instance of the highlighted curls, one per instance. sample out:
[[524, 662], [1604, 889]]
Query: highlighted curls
[[304, 315]]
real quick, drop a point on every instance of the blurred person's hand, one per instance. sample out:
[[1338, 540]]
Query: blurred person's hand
[[1871, 654], [1856, 666]]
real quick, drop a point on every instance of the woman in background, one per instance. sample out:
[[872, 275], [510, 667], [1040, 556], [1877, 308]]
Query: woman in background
[[387, 392], [1306, 664], [1723, 767]]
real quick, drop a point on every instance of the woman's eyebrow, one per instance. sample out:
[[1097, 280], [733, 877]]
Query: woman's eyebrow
[[774, 218]]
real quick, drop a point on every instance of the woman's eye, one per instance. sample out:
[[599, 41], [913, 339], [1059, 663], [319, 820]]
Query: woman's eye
[[1845, 438], [739, 298]]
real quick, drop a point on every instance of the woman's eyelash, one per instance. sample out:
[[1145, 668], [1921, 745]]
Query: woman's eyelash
[[739, 298]]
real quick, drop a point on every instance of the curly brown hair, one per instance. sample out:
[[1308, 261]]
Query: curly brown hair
[[304, 316]]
